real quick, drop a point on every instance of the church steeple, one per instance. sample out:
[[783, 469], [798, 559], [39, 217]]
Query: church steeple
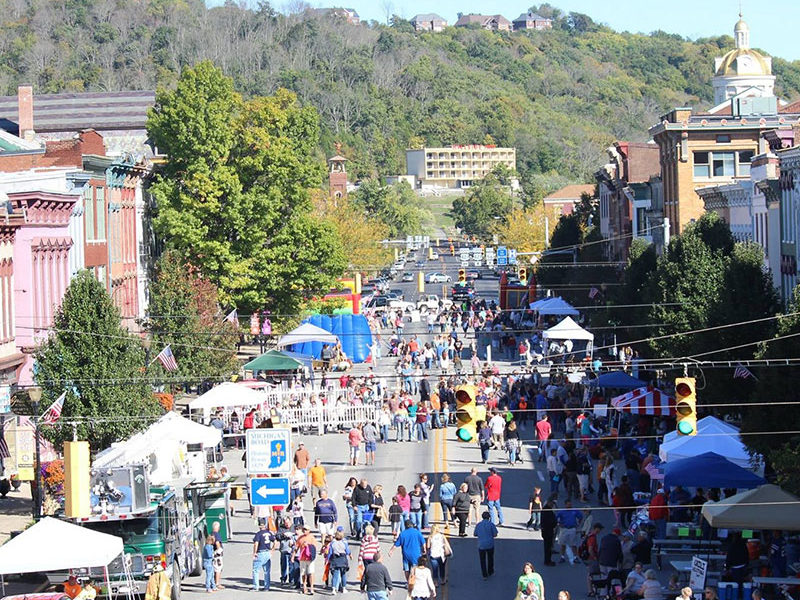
[[741, 33]]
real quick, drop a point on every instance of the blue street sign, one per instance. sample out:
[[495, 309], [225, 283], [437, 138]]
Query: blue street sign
[[512, 257], [269, 491], [502, 255]]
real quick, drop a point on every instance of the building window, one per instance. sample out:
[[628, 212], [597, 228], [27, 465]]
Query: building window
[[88, 211], [745, 157], [100, 200], [724, 138], [701, 166], [724, 164], [641, 222]]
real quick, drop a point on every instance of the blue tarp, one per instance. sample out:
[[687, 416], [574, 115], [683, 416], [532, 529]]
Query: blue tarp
[[617, 379], [352, 330], [709, 470]]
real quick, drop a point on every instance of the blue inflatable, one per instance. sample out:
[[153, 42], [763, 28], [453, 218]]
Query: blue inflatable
[[352, 330]]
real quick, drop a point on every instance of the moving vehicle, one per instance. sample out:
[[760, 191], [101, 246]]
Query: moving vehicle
[[437, 278], [463, 290], [408, 276], [473, 274], [383, 302], [420, 264], [434, 256]]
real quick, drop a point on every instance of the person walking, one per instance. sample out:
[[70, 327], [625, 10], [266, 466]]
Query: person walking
[[512, 443], [447, 491], [427, 490], [354, 439], [554, 469], [285, 538], [476, 492], [549, 524], [543, 431], [417, 505], [462, 505], [325, 514], [486, 531], [317, 480], [530, 579], [369, 546], [208, 564], [484, 440], [568, 520], [339, 561], [376, 580], [411, 544], [439, 550], [420, 582], [370, 434], [493, 486], [218, 557], [306, 554], [362, 503], [347, 497], [535, 509], [263, 542], [609, 553], [498, 426]]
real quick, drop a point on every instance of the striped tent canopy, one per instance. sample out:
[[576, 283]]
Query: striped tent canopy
[[645, 401]]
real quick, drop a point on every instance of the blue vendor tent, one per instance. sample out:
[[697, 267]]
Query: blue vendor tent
[[352, 330], [709, 470], [619, 380]]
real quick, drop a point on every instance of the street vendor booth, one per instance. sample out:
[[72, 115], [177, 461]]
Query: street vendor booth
[[554, 306], [279, 361], [709, 470], [568, 330], [765, 507], [56, 545], [227, 395], [646, 400], [617, 380], [307, 333]]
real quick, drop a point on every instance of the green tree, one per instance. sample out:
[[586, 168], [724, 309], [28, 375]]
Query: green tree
[[235, 203], [185, 313], [397, 206], [486, 204], [99, 364]]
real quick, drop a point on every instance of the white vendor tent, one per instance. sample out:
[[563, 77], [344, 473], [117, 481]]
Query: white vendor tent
[[706, 423], [227, 395], [162, 446], [567, 330], [765, 507], [307, 333], [714, 436], [554, 306], [56, 545]]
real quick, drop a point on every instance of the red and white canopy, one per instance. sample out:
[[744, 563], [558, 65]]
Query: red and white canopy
[[645, 401]]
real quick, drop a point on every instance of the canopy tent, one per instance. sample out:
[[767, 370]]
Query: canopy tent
[[227, 395], [162, 446], [56, 545], [709, 470], [712, 438], [274, 360], [645, 401], [703, 424], [765, 507], [553, 306], [567, 330], [307, 332], [617, 379]]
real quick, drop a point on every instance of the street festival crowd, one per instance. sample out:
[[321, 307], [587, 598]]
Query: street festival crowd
[[587, 458]]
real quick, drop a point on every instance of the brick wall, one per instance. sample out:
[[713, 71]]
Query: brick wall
[[59, 153]]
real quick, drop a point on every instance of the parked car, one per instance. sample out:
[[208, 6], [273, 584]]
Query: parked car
[[434, 256], [420, 264], [473, 274], [462, 291], [408, 276], [437, 278], [397, 292]]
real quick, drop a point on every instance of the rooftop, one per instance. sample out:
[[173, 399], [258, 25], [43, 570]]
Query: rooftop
[[571, 192]]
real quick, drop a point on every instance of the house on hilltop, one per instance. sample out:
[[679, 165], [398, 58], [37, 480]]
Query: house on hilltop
[[348, 14], [490, 22], [428, 22], [531, 20]]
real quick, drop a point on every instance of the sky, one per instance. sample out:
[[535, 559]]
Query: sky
[[773, 23]]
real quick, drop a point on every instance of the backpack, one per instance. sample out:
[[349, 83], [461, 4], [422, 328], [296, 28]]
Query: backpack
[[583, 549], [308, 552]]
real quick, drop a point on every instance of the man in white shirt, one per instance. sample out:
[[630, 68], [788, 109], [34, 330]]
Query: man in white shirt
[[498, 426]]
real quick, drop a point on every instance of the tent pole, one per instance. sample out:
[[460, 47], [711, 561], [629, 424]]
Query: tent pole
[[2, 585], [108, 582]]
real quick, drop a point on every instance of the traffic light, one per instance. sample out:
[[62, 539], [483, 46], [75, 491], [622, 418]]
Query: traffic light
[[462, 274], [686, 405], [466, 412], [523, 274]]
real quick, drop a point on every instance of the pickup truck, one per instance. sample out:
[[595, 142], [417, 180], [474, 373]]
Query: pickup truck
[[382, 302], [428, 302]]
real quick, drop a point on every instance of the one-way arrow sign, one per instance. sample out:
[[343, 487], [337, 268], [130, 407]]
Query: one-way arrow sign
[[269, 491]]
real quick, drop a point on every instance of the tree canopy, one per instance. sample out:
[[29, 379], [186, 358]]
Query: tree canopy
[[486, 205], [233, 200], [99, 364]]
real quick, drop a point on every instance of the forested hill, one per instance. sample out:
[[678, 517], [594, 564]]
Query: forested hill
[[559, 96]]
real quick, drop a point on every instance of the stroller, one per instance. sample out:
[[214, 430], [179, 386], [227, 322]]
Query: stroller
[[607, 587]]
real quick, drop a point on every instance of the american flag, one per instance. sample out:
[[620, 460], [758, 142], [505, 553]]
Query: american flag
[[54, 412], [167, 359], [233, 317], [742, 372]]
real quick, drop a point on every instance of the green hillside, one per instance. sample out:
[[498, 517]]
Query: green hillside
[[559, 96]]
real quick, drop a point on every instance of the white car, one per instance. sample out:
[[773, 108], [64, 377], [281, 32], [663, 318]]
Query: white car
[[434, 256], [428, 302], [408, 276], [438, 278]]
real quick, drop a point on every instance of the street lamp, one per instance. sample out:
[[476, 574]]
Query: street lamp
[[35, 396]]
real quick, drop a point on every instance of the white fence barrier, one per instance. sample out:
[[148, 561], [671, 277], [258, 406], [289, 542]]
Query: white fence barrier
[[322, 418]]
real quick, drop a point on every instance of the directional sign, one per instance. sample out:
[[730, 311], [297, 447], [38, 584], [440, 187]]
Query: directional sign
[[463, 255], [502, 255], [268, 451], [269, 491], [512, 256]]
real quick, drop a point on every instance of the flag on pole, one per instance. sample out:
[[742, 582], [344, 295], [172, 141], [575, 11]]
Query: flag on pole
[[167, 359], [742, 372], [233, 317], [54, 412], [593, 292]]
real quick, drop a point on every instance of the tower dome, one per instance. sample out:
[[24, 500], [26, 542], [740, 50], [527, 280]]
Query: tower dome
[[741, 33], [742, 68]]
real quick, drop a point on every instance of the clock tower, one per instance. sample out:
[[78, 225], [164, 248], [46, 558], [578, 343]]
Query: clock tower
[[742, 69], [337, 175]]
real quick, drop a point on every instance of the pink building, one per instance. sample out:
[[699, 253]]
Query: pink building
[[10, 356], [41, 267]]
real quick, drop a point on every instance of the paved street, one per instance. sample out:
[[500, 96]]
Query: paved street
[[401, 463]]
